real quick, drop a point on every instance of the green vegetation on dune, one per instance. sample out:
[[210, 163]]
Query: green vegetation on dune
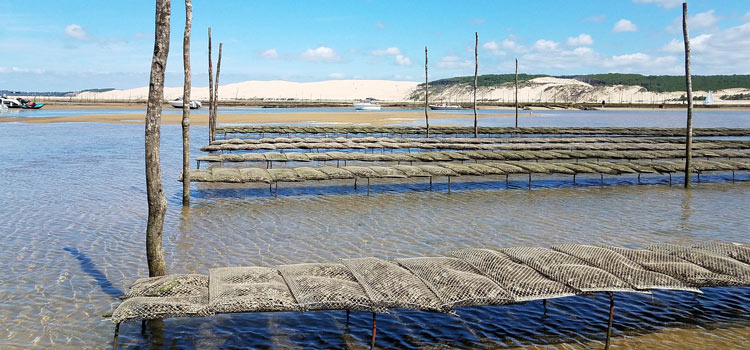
[[664, 83], [656, 83], [487, 79]]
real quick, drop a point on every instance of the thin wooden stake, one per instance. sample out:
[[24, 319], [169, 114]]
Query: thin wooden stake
[[516, 92], [368, 186], [449, 184], [374, 331], [426, 92], [611, 318], [689, 87], [216, 92], [210, 89], [186, 105], [529, 180], [117, 334], [476, 70]]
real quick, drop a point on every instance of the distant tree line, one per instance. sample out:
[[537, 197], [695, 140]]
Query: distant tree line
[[655, 83]]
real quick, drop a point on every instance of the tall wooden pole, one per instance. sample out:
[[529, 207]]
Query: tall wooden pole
[[426, 92], [157, 204], [516, 92], [476, 69], [186, 104], [689, 86], [216, 92], [211, 135]]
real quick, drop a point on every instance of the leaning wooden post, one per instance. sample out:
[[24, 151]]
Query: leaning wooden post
[[516, 92], [611, 318], [476, 69], [426, 92], [186, 104], [157, 204], [210, 90], [216, 93], [689, 86]]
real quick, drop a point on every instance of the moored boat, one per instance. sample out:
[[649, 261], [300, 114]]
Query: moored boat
[[444, 106], [366, 105], [18, 102], [178, 103]]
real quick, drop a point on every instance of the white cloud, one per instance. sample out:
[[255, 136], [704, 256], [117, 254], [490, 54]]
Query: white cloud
[[624, 25], [453, 61], [512, 45], [545, 45], [76, 32], [581, 40], [21, 70], [337, 75], [746, 16], [398, 57], [321, 54], [493, 48], [388, 51], [143, 36], [379, 25], [703, 20], [667, 4], [724, 51], [697, 44], [401, 60], [270, 54], [476, 21], [582, 51]]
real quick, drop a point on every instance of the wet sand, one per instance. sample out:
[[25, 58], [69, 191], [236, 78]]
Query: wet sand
[[367, 118]]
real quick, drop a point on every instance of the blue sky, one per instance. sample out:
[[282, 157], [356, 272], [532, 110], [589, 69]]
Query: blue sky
[[71, 45]]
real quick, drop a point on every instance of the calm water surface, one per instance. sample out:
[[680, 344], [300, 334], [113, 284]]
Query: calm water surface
[[73, 214]]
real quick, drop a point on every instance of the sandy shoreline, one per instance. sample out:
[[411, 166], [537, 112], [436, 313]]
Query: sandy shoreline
[[366, 118], [345, 116]]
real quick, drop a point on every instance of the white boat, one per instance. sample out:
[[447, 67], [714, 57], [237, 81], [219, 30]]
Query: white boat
[[709, 99], [177, 103], [444, 106], [19, 102], [10, 102], [366, 105]]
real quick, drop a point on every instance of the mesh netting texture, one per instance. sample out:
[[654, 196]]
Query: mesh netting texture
[[465, 277]]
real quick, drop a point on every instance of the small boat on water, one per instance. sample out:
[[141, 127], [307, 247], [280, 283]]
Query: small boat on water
[[444, 106], [709, 99], [18, 102], [177, 103], [366, 105]]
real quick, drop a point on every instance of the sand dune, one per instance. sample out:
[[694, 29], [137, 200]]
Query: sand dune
[[321, 90], [539, 90]]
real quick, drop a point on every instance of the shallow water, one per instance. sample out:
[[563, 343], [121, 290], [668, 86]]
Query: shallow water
[[73, 213]]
